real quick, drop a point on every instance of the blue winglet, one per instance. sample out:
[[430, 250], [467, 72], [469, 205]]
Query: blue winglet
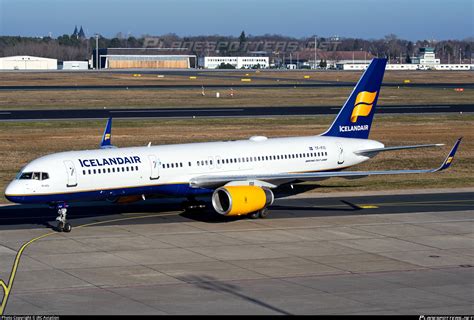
[[449, 159], [107, 136]]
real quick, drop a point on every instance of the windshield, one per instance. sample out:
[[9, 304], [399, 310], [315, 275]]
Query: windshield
[[33, 176]]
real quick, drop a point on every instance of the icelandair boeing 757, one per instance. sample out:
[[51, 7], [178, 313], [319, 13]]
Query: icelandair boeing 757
[[238, 176]]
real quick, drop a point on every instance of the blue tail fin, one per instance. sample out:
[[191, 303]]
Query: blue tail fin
[[107, 137], [355, 118]]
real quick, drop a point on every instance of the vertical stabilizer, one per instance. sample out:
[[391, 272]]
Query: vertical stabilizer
[[355, 118]]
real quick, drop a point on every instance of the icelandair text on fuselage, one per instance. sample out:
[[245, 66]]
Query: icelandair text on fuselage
[[109, 161], [353, 128]]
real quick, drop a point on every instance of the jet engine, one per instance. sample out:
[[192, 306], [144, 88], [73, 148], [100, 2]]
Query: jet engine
[[240, 200]]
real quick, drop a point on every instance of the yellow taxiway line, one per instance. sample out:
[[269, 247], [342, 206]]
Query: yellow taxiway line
[[7, 288]]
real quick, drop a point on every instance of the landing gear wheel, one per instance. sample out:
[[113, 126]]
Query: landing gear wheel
[[60, 226], [63, 225], [67, 227], [263, 213], [254, 215]]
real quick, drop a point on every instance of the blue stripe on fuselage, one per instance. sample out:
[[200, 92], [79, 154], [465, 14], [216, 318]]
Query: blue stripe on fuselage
[[181, 190]]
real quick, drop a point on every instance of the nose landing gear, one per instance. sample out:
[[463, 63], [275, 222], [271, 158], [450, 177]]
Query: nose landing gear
[[63, 225]]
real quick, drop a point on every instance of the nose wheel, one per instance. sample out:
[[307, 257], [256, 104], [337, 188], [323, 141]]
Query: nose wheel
[[63, 225]]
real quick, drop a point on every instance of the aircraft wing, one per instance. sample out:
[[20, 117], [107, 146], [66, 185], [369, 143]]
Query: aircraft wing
[[212, 181], [373, 152]]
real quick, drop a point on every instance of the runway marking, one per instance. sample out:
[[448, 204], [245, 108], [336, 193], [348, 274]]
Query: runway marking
[[367, 206], [7, 288], [5, 113], [176, 110]]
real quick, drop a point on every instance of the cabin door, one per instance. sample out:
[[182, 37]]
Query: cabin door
[[155, 167], [340, 151], [71, 173]]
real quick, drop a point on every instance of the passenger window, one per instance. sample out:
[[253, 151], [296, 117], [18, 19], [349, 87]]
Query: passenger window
[[127, 168], [95, 171], [113, 169], [164, 165], [136, 168], [131, 168], [108, 170], [89, 171], [83, 172], [189, 163]]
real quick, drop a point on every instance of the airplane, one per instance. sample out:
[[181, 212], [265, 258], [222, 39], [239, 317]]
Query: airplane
[[240, 177]]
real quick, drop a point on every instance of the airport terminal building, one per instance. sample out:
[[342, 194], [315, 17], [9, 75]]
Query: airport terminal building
[[236, 62]]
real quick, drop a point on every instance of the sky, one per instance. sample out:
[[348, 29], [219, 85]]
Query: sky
[[367, 19]]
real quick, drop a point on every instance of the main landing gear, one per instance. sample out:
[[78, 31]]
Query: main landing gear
[[262, 214], [63, 225]]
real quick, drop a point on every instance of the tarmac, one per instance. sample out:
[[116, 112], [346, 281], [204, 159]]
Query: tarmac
[[339, 254], [192, 112]]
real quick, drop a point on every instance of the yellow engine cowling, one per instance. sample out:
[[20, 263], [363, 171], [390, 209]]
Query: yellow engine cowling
[[239, 200]]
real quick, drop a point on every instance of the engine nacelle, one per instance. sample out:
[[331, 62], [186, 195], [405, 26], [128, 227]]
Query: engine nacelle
[[239, 200]]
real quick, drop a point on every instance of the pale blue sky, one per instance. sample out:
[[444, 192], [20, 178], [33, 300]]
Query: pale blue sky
[[409, 19]]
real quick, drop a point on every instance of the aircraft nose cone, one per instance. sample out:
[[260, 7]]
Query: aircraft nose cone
[[12, 192]]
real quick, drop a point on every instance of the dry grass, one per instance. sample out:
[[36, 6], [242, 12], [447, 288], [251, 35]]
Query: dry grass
[[242, 97], [224, 78], [21, 142]]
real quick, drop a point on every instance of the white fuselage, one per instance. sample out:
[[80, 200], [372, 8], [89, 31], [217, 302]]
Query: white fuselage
[[115, 172]]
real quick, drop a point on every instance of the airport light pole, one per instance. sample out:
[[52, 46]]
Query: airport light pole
[[97, 51], [315, 51]]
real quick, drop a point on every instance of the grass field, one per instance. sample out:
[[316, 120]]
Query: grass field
[[23, 141], [222, 78], [92, 99]]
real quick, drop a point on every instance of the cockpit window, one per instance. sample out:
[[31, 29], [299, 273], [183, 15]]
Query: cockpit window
[[26, 176], [34, 176]]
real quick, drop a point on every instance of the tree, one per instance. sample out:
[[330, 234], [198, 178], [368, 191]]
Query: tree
[[225, 66], [323, 64], [242, 41]]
